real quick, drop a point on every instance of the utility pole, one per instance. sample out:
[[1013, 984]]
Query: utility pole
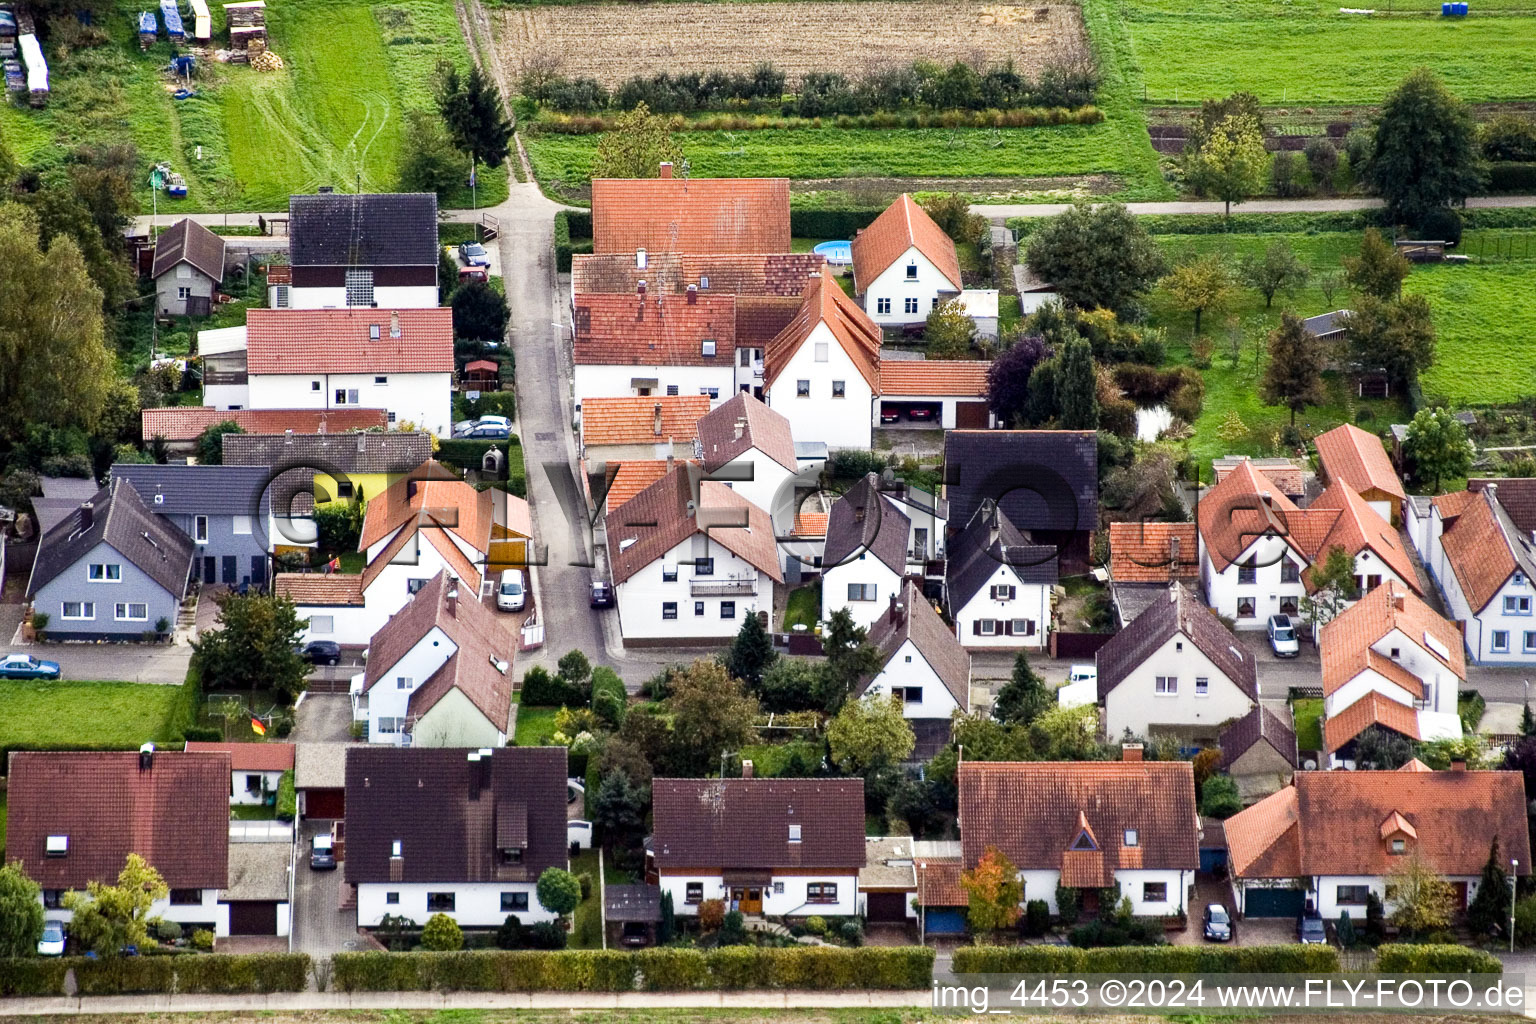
[[1514, 883]]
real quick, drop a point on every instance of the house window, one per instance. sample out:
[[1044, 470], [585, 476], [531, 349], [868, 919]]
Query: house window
[[392, 898], [1399, 845], [711, 392], [1202, 686], [802, 389], [314, 385], [744, 357], [987, 627], [669, 572], [280, 296], [707, 348], [391, 416], [1247, 573], [821, 892], [1517, 606], [514, 902], [404, 682], [382, 382], [183, 292], [912, 695], [861, 591], [839, 389], [1021, 627], [1351, 895], [113, 573], [1373, 581], [703, 566], [359, 287], [882, 307], [822, 352], [1530, 640], [911, 271], [186, 897], [322, 624], [440, 902], [1167, 686], [130, 611], [512, 855], [414, 586], [389, 725], [346, 396], [1288, 604], [1154, 892], [669, 609], [694, 893], [727, 609], [1290, 572], [1003, 593], [1131, 837], [53, 899], [200, 529], [79, 610], [909, 305], [253, 783], [1501, 641], [698, 607], [240, 525], [1246, 608], [672, 390]]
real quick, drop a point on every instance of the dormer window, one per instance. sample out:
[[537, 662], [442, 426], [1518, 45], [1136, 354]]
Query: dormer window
[[57, 846], [1084, 841], [512, 856], [794, 833], [1399, 846]]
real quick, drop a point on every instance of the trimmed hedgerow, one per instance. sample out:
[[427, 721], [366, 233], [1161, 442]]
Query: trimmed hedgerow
[[1290, 959], [1432, 958], [186, 972]]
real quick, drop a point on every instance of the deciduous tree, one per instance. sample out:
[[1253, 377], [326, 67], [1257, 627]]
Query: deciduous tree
[[636, 147], [1277, 269], [1333, 587], [429, 161], [1199, 285], [869, 734], [993, 893], [254, 646], [1096, 256], [1378, 269], [1396, 337], [850, 658], [210, 443], [1231, 163], [479, 312], [559, 891], [1424, 154], [108, 918], [949, 331], [711, 714], [1423, 899], [1437, 446], [1008, 379], [21, 912], [1293, 377]]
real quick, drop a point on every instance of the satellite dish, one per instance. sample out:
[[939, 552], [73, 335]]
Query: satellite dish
[[1309, 764]]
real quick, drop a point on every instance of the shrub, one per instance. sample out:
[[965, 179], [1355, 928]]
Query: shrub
[[1508, 137], [167, 931], [547, 935], [203, 734], [1442, 224], [1403, 958], [711, 915], [816, 925], [585, 881], [1513, 177], [287, 798], [1037, 918], [1067, 904], [540, 689], [215, 973], [202, 939], [1285, 178], [442, 934], [510, 934], [733, 930]]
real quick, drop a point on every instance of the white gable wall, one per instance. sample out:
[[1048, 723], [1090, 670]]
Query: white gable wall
[[607, 380], [907, 668], [641, 599], [1031, 601], [1223, 591], [863, 568], [928, 287], [390, 698], [837, 422], [1135, 704], [424, 399]]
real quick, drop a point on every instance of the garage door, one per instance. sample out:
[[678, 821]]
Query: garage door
[[887, 906], [325, 803], [1273, 902], [256, 917], [971, 415], [944, 921]]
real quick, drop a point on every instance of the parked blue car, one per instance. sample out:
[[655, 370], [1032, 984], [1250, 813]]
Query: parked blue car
[[24, 666]]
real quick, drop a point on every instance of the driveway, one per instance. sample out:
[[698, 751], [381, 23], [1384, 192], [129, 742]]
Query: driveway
[[128, 663], [323, 718], [320, 926]]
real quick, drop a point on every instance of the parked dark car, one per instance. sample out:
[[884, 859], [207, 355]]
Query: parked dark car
[[1310, 930], [920, 412], [635, 935], [1218, 923], [602, 594], [322, 854], [474, 254], [321, 652]]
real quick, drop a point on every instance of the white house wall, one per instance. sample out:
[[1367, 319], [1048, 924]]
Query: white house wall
[[419, 296], [1030, 601], [864, 568], [790, 902], [1136, 705], [424, 399], [766, 486], [929, 287], [386, 699], [207, 911], [476, 904], [1223, 589], [640, 598], [837, 422], [227, 396], [1480, 628], [607, 380], [239, 794], [1041, 885], [908, 667], [454, 721]]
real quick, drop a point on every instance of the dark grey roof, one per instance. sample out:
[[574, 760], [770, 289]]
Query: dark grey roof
[[76, 488], [188, 242], [183, 489], [1324, 324], [120, 519], [396, 229], [390, 451], [990, 540], [1180, 612], [864, 520], [626, 903], [918, 622], [1042, 479], [1258, 724]]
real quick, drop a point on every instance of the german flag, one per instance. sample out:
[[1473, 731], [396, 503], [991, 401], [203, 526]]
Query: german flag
[[257, 727]]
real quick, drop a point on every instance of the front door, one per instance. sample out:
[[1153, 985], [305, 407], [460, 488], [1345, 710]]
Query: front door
[[748, 899], [210, 569]]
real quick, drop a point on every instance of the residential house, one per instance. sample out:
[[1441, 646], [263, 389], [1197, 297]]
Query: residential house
[[690, 215], [429, 522], [1144, 558], [1129, 825], [368, 251], [349, 467], [864, 559], [1175, 670], [223, 509], [822, 372], [256, 769], [657, 427], [438, 673], [181, 425], [73, 818], [749, 448], [1350, 455], [620, 481], [690, 550], [188, 266], [769, 847], [922, 665], [1389, 660], [464, 833], [1258, 753], [1256, 546], [643, 345], [1285, 475], [948, 393], [904, 265], [1330, 840], [998, 584], [1045, 481], [1484, 562], [61, 498], [110, 570]]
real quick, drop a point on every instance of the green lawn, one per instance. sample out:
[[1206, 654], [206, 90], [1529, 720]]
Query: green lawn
[[86, 715], [803, 606], [588, 932], [534, 726], [1485, 321], [1307, 713], [252, 812]]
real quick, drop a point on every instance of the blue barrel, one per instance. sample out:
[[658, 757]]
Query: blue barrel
[[1461, 9], [1447, 9]]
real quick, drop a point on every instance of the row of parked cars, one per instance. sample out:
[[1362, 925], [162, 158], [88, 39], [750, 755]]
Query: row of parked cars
[[1310, 930], [486, 428]]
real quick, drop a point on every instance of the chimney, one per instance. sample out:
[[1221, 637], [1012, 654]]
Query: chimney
[[146, 757], [994, 528], [746, 768], [410, 487], [394, 324], [288, 436], [741, 426], [670, 461], [1130, 751], [693, 295], [1173, 555], [451, 598], [87, 514], [1397, 600], [666, 168], [1493, 492], [640, 290], [896, 610], [656, 419], [1458, 766]]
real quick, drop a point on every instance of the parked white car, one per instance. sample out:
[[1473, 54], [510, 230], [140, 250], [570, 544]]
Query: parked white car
[[512, 593]]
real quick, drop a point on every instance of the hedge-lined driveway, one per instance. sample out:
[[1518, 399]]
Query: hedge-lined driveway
[[320, 926]]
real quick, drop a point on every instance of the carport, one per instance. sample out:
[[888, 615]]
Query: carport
[[888, 879]]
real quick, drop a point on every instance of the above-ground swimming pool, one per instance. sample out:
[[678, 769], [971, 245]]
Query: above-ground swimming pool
[[836, 253]]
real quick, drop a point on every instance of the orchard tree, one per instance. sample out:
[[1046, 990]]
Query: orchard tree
[[109, 918], [1424, 154], [1293, 377], [1008, 379], [869, 734], [1397, 337], [1231, 164], [1277, 269], [993, 893], [1200, 285], [21, 912], [1378, 269], [636, 147], [1437, 446], [1096, 256]]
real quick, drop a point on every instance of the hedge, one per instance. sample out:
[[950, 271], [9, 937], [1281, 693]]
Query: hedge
[[1289, 959], [182, 973], [655, 970], [569, 223], [830, 223], [1512, 177], [466, 453], [1405, 958], [1020, 117]]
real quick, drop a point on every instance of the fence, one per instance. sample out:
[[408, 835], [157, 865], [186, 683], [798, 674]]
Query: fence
[[1077, 645], [1487, 246]]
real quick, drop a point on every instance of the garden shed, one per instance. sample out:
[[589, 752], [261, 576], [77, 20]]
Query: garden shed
[[482, 375]]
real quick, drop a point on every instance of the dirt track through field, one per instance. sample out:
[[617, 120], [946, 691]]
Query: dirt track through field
[[612, 43]]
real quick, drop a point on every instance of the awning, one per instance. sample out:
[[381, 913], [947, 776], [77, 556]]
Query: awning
[[747, 876]]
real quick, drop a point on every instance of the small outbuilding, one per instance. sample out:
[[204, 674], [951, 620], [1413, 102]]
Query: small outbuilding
[[632, 913], [189, 263]]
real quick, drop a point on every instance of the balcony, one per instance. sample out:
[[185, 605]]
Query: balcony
[[728, 586]]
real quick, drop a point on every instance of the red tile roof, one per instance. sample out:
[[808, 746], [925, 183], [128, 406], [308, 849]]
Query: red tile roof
[[1358, 527], [654, 330], [690, 215], [1372, 709], [651, 419], [825, 302], [741, 424], [1330, 823], [810, 524], [174, 814], [432, 496], [186, 422], [902, 226], [1283, 473], [340, 341], [938, 883], [1481, 550], [1144, 552], [1232, 515], [962, 378], [760, 318], [739, 274], [658, 519], [1345, 643], [628, 478], [249, 757], [1349, 454], [314, 589]]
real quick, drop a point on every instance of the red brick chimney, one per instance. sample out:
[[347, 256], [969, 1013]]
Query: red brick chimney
[[746, 768], [666, 168], [1130, 751]]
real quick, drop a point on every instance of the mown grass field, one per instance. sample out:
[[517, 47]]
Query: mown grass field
[[68, 714], [1485, 319]]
